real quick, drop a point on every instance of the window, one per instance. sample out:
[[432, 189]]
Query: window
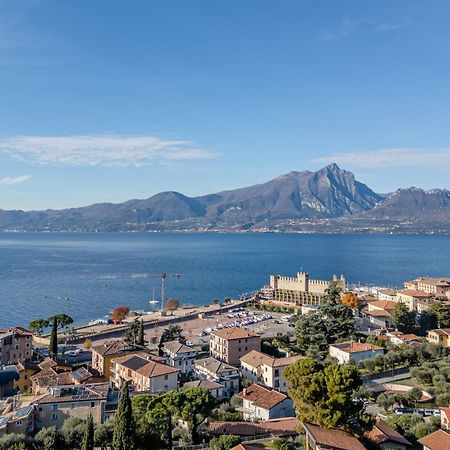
[[277, 372], [55, 407], [92, 404], [72, 406], [166, 377], [54, 416], [18, 423]]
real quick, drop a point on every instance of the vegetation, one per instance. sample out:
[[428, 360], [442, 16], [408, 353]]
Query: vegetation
[[141, 334], [154, 414], [53, 344], [333, 321], [119, 313], [413, 426], [403, 319], [224, 442], [351, 300], [325, 395], [172, 304], [124, 426], [38, 326], [88, 437]]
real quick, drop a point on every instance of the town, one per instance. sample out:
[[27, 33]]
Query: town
[[300, 364]]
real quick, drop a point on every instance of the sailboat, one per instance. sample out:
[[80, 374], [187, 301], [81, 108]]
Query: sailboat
[[153, 301]]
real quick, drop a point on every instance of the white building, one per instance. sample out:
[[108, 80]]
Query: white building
[[261, 403], [346, 352], [180, 356], [220, 372], [216, 389], [265, 369]]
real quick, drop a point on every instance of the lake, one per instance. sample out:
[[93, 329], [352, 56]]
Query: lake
[[38, 271]]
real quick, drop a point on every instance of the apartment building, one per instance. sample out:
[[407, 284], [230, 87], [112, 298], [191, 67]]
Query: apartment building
[[180, 355], [439, 336], [15, 345], [435, 286], [266, 370], [410, 297], [216, 389], [386, 438], [230, 344], [18, 421], [104, 353], [346, 352], [262, 403], [143, 374], [219, 372], [318, 438], [379, 313], [63, 402]]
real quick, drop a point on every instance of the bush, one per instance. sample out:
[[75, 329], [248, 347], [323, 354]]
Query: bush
[[224, 442]]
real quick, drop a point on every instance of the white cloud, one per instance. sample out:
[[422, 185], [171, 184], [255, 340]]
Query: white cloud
[[8, 181], [392, 157], [348, 26], [106, 150]]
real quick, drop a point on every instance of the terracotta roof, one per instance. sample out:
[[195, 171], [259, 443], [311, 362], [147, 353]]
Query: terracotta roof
[[383, 304], [441, 331], [47, 363], [332, 438], [245, 447], [143, 366], [256, 359], [204, 384], [407, 337], [378, 313], [355, 347], [287, 426], [387, 291], [382, 432], [445, 410], [19, 330], [177, 347], [439, 440], [261, 396], [414, 293], [234, 333], [113, 347], [214, 366]]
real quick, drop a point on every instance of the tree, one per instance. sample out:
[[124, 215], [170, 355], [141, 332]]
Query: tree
[[415, 394], [325, 395], [332, 294], [351, 300], [49, 439], [171, 304], [103, 434], [403, 319], [62, 320], [88, 437], [119, 313], [215, 301], [87, 344], [132, 332], [53, 344], [280, 444], [37, 326], [330, 323], [172, 333], [124, 426], [224, 442], [141, 333], [72, 431], [440, 315]]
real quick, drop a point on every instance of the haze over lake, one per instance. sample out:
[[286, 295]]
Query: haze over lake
[[38, 271]]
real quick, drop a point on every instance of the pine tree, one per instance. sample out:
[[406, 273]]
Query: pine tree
[[88, 437], [123, 438], [141, 338], [53, 345]]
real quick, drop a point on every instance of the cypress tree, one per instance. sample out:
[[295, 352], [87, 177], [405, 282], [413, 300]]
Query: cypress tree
[[88, 437], [141, 338], [53, 345], [123, 438]]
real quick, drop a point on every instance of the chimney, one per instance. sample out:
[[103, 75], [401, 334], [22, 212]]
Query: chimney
[[244, 391]]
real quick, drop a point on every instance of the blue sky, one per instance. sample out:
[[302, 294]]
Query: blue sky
[[106, 100]]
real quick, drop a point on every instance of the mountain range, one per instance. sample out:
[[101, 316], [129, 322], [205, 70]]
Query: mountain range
[[328, 200]]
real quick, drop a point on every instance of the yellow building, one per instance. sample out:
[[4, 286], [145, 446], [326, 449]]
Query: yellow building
[[439, 336], [26, 371]]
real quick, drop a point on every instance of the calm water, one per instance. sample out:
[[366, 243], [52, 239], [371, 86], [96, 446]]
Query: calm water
[[37, 271]]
